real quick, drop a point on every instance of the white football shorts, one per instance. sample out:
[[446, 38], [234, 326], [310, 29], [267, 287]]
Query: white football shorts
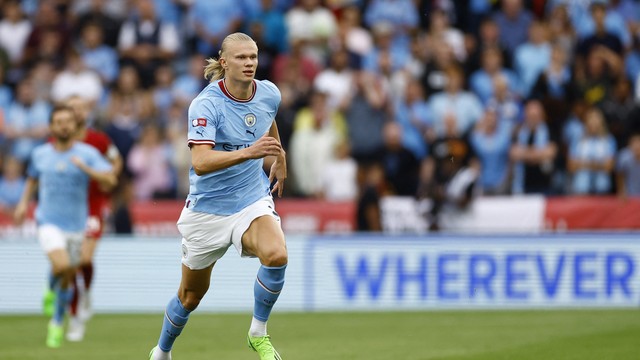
[[53, 238], [206, 237]]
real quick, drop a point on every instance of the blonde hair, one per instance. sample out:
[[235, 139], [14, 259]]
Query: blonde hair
[[214, 70]]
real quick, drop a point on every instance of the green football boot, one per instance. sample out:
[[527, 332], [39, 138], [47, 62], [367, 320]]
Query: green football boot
[[55, 335], [49, 302], [262, 345]]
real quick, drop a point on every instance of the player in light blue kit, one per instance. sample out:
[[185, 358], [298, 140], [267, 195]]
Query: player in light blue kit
[[60, 171], [231, 129]]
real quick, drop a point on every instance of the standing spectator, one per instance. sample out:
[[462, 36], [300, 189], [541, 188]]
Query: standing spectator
[[463, 105], [481, 81], [488, 37], [491, 140], [399, 164], [351, 35], [50, 35], [601, 36], [592, 158], [595, 79], [76, 80], [533, 153], [146, 42], [561, 29], [313, 24], [366, 112], [150, 164], [441, 31], [97, 55], [338, 180], [400, 15], [412, 114], [128, 107], [317, 131], [11, 184], [628, 168], [507, 105], [532, 57], [440, 58], [26, 121], [620, 111], [514, 21], [335, 81]]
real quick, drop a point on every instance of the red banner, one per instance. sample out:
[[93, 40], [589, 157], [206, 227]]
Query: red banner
[[592, 213]]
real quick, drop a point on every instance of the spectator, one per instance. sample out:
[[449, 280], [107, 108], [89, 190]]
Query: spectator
[[400, 15], [628, 168], [371, 188], [12, 184], [336, 80], [505, 103], [488, 37], [412, 114], [49, 37], [612, 21], [274, 27], [399, 164], [595, 79], [449, 175], [317, 131], [532, 57], [561, 29], [149, 162], [104, 13], [441, 31], [314, 25], [146, 42], [367, 109], [491, 140], [6, 94], [463, 105], [76, 80], [296, 69], [600, 35], [481, 81], [350, 34], [163, 93], [338, 180], [128, 106], [514, 22], [533, 153], [592, 158], [14, 31], [620, 111], [383, 43], [97, 55], [434, 78], [180, 154], [212, 21], [189, 84], [27, 121]]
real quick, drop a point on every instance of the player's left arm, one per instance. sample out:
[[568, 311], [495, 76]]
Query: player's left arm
[[27, 194], [279, 167], [106, 179]]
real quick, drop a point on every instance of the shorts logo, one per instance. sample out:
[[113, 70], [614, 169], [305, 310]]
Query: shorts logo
[[185, 252], [249, 119], [199, 122]]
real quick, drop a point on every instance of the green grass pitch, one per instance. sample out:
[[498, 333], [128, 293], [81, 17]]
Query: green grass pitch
[[490, 335]]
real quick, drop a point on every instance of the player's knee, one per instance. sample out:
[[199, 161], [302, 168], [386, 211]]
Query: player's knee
[[190, 300], [275, 258], [61, 269]]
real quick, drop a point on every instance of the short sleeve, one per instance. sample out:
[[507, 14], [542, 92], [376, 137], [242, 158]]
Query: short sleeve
[[32, 170], [276, 96], [203, 123]]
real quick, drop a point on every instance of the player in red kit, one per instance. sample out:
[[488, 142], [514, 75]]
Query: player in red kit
[[98, 201]]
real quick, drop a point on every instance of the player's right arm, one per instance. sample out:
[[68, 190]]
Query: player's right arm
[[21, 209], [205, 160]]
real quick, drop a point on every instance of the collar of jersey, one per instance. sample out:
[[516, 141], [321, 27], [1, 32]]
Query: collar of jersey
[[223, 87]]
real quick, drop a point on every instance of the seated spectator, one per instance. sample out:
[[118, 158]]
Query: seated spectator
[[628, 168], [592, 158], [596, 76], [533, 153], [491, 140], [12, 184], [150, 164], [14, 31], [147, 42], [26, 121]]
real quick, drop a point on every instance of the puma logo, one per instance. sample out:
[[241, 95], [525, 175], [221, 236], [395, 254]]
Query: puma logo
[[200, 132], [252, 133]]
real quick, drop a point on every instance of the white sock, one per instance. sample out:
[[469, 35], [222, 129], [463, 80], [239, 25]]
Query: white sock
[[158, 354], [258, 328]]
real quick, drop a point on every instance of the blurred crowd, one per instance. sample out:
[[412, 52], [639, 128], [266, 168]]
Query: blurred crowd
[[437, 99]]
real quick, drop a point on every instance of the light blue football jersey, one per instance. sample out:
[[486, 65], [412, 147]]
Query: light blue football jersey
[[218, 119], [63, 187]]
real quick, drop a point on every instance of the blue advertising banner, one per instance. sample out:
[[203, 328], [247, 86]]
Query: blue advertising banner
[[379, 272]]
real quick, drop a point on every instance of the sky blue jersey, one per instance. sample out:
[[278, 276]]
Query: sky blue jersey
[[219, 119], [62, 189]]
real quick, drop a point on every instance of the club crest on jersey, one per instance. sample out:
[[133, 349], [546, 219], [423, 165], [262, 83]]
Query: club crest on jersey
[[249, 119], [199, 122]]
